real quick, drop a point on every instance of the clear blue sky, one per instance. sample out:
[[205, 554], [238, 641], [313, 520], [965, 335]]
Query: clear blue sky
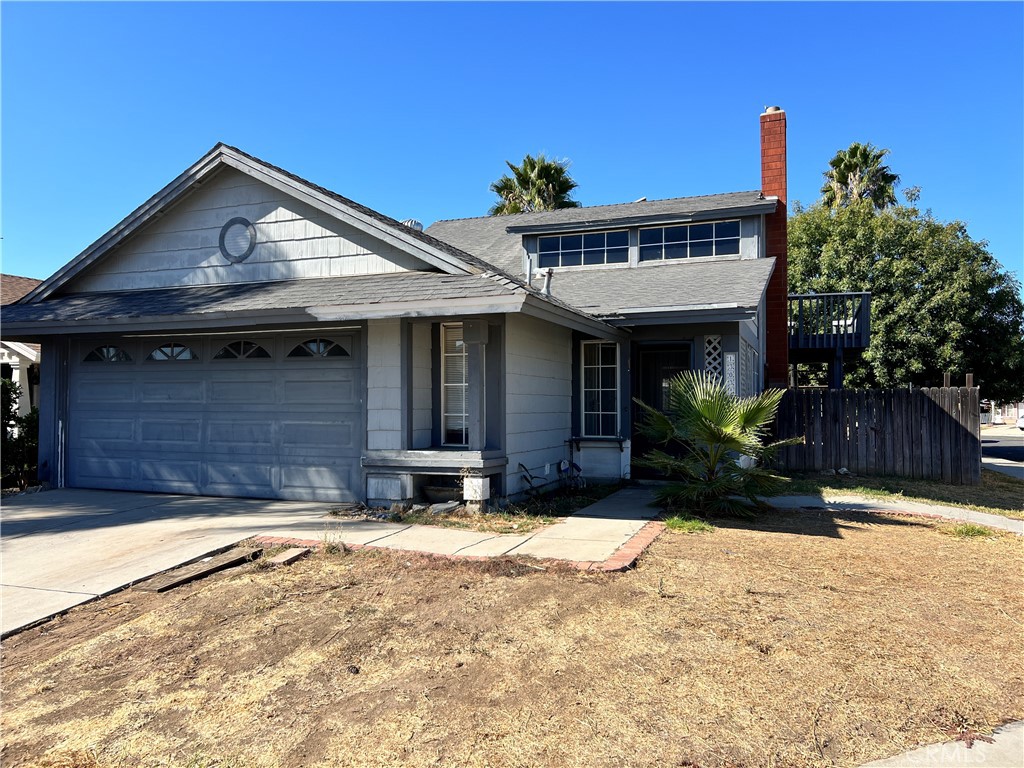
[[412, 108]]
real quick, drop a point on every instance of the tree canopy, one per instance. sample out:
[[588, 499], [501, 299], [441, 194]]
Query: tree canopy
[[940, 302], [538, 184], [858, 173]]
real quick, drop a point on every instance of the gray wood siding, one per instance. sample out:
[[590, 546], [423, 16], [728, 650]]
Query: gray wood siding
[[422, 386], [294, 240], [384, 385], [538, 397]]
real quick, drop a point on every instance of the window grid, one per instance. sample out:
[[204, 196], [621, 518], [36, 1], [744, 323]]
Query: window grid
[[454, 385], [588, 249], [600, 389], [242, 350], [108, 353], [319, 348], [690, 241], [172, 351]]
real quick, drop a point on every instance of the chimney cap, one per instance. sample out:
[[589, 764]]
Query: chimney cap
[[772, 110]]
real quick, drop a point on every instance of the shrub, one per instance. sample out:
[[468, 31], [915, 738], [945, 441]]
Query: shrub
[[20, 437], [714, 443]]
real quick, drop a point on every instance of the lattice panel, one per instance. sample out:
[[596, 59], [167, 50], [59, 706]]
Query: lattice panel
[[713, 355], [730, 372], [745, 388]]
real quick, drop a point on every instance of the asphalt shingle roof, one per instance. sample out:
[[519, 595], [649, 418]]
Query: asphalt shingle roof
[[13, 287], [612, 291], [291, 294], [487, 238]]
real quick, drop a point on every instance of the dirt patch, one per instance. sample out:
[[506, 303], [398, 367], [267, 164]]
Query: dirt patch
[[804, 639]]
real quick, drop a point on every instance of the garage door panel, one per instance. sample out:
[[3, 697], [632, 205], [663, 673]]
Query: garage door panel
[[316, 435], [105, 470], [187, 430], [327, 390], [181, 473], [227, 436], [172, 391], [239, 391], [103, 429], [99, 391], [271, 428]]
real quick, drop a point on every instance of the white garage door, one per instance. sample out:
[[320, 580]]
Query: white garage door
[[260, 416]]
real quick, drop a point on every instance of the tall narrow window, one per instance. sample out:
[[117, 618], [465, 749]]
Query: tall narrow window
[[454, 413], [600, 389]]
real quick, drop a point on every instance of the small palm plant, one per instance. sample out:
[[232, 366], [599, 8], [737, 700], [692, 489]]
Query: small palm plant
[[720, 455]]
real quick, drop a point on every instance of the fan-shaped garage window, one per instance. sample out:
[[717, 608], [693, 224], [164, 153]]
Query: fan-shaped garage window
[[245, 350], [172, 351], [108, 353], [319, 348]]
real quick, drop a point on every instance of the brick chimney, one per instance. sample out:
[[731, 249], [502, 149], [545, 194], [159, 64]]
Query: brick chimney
[[773, 184]]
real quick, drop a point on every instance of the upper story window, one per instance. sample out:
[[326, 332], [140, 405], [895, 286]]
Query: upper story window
[[690, 241], [172, 351], [584, 250], [247, 350], [319, 348], [108, 353]]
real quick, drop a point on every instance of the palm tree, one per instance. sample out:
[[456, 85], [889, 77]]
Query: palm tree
[[857, 173], [715, 446], [538, 184]]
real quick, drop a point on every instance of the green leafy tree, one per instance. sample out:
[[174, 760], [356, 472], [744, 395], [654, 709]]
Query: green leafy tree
[[538, 184], [857, 174], [20, 436], [714, 446], [940, 302]]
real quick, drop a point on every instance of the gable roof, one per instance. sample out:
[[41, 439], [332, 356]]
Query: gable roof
[[13, 287], [498, 239], [429, 249]]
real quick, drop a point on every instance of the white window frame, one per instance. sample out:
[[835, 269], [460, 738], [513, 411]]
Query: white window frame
[[713, 241], [583, 251], [445, 384], [583, 387]]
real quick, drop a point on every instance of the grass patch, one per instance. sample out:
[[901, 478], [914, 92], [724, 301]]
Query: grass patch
[[970, 530], [997, 494], [688, 524]]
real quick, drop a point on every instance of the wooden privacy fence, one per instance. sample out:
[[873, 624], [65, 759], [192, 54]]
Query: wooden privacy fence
[[933, 434]]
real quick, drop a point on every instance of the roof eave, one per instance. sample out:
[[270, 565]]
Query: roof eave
[[767, 205]]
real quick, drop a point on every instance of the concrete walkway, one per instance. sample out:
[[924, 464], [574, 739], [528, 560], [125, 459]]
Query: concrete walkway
[[1006, 751], [591, 536], [853, 503], [65, 547]]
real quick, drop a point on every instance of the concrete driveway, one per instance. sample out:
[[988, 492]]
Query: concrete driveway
[[64, 547]]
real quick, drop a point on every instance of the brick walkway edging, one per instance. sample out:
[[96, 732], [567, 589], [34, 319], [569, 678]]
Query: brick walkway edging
[[622, 559]]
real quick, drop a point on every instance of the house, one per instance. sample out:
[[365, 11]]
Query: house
[[19, 362], [245, 332]]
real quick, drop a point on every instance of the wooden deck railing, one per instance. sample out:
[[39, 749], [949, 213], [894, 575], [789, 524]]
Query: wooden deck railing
[[829, 320]]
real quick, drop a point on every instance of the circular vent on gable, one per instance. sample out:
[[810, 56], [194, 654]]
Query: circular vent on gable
[[237, 239]]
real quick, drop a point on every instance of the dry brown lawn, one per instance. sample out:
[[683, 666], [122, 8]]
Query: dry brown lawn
[[801, 640]]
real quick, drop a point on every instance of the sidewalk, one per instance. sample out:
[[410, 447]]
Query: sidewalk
[[853, 503], [1006, 751], [607, 535]]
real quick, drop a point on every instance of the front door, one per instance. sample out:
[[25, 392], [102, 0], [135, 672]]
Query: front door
[[657, 366]]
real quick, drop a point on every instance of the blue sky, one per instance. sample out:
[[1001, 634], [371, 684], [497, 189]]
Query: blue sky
[[411, 109]]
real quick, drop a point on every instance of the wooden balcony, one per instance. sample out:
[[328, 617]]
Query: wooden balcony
[[829, 323]]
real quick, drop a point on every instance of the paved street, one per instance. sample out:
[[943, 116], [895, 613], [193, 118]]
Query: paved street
[[1002, 449]]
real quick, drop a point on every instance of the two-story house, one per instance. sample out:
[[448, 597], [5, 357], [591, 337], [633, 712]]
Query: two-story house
[[247, 333]]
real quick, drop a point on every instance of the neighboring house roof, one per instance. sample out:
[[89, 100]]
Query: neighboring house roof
[[702, 286], [498, 239], [13, 287]]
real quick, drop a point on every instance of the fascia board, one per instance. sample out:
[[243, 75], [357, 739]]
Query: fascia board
[[768, 205]]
